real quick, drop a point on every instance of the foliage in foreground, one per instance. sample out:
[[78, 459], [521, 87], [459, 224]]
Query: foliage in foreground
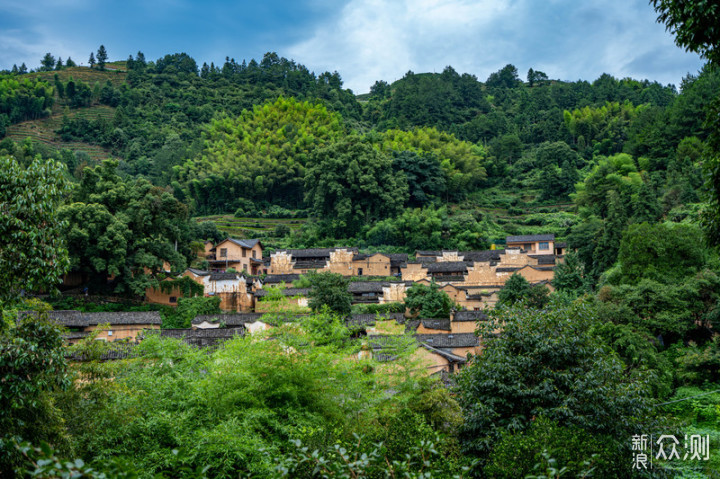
[[547, 363]]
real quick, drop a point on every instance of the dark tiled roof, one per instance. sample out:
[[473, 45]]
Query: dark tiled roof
[[203, 333], [245, 243], [561, 244], [544, 258], [318, 264], [314, 252], [424, 260], [280, 278], [223, 276], [132, 317], [364, 256], [367, 286], [481, 256], [234, 319], [453, 358], [543, 268], [458, 340], [427, 253], [369, 319], [397, 258], [447, 267], [506, 269], [470, 316], [198, 272], [68, 318], [433, 323], [529, 238], [286, 292]]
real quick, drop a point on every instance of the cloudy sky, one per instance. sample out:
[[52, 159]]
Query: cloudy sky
[[364, 40]]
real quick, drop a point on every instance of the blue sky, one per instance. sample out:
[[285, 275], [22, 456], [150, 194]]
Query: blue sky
[[364, 40]]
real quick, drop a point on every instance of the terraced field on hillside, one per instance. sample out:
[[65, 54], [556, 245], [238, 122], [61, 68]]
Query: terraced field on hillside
[[43, 130], [115, 72], [251, 227]]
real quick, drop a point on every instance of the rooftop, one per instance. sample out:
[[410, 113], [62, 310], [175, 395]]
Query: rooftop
[[529, 238]]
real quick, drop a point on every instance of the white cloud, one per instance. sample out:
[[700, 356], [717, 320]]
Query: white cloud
[[373, 40]]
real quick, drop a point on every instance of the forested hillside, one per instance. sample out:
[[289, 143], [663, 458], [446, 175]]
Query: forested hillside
[[476, 159], [121, 171]]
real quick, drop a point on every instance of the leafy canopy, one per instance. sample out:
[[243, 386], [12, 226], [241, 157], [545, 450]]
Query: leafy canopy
[[33, 255]]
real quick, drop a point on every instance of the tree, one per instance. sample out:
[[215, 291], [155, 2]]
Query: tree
[[125, 228], [33, 255], [694, 24], [59, 64], [425, 177], [48, 62], [607, 248], [569, 275], [102, 57], [32, 364], [663, 252], [70, 63], [350, 184], [91, 61], [428, 301], [329, 290], [516, 288], [645, 205], [536, 77], [506, 77], [546, 363]]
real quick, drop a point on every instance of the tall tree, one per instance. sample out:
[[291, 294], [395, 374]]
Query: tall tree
[[102, 57], [428, 301], [126, 228], [70, 63], [546, 363], [33, 255], [91, 60], [48, 62], [350, 184], [329, 290], [607, 248]]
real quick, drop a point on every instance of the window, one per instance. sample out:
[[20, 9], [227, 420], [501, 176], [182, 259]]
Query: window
[[244, 253], [173, 299], [252, 252], [110, 333], [359, 271], [223, 252], [545, 245]]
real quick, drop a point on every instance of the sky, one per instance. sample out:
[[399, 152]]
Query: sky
[[364, 40]]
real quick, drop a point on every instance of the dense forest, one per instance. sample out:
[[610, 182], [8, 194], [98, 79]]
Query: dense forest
[[625, 171]]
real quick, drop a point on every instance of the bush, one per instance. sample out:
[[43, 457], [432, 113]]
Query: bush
[[517, 453]]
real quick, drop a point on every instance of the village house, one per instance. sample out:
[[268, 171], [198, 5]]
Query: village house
[[239, 254], [120, 325], [532, 244]]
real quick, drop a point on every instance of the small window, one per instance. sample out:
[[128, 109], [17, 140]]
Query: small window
[[545, 246], [359, 271], [244, 253], [173, 299], [223, 252], [110, 333]]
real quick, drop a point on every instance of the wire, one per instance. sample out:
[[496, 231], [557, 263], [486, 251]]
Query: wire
[[685, 399]]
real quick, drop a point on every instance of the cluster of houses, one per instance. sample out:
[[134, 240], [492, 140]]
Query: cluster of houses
[[240, 275], [242, 278]]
